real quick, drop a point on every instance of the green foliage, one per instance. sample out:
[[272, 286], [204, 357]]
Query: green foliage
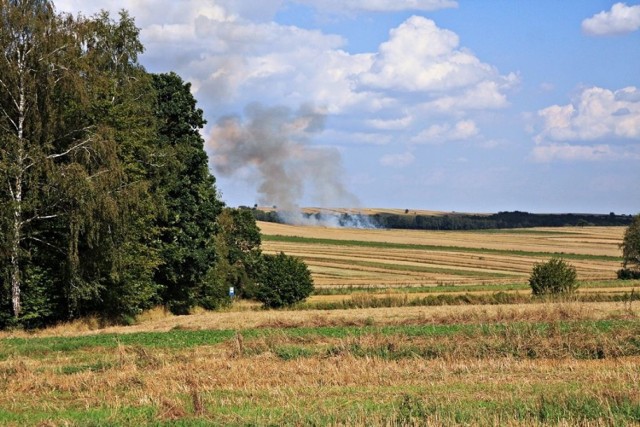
[[628, 274], [187, 199], [107, 205], [238, 247], [631, 248], [553, 277], [283, 280]]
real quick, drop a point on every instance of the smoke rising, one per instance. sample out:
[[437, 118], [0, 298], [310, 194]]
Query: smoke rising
[[275, 143]]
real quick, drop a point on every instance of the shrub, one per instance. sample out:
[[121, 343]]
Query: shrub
[[553, 277], [628, 274], [631, 250], [284, 280]]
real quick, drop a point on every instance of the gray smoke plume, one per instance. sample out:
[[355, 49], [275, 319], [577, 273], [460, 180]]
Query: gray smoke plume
[[275, 141]]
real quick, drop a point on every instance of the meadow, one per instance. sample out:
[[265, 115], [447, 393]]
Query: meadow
[[405, 328]]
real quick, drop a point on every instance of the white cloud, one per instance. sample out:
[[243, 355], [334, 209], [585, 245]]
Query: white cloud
[[595, 114], [599, 124], [621, 19], [419, 56], [391, 124], [341, 6], [397, 160], [439, 133]]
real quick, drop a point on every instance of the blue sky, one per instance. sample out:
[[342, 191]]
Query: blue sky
[[469, 105]]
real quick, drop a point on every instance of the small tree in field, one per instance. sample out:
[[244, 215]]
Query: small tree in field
[[284, 280], [631, 251], [554, 277]]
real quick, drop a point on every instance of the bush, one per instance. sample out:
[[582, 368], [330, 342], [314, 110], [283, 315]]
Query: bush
[[631, 250], [283, 281], [553, 277], [628, 274]]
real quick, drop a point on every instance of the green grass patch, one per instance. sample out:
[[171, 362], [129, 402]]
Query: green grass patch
[[523, 340], [43, 347]]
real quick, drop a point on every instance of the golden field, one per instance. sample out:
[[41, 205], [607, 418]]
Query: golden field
[[444, 257], [482, 361]]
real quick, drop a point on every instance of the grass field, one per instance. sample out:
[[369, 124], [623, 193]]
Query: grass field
[[406, 328]]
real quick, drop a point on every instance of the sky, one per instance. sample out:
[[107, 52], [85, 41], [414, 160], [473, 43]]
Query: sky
[[467, 106]]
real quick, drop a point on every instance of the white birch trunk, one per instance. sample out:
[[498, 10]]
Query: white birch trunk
[[16, 191]]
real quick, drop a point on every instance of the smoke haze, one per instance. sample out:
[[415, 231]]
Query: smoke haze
[[275, 143]]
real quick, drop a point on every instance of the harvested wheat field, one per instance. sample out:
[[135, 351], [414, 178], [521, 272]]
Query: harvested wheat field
[[531, 364], [400, 258], [404, 329]]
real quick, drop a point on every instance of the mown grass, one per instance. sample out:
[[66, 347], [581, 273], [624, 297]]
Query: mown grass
[[435, 248], [42, 348], [506, 373]]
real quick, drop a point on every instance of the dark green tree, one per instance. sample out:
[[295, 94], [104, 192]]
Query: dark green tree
[[112, 235], [238, 246], [187, 196], [553, 277], [631, 251], [284, 280]]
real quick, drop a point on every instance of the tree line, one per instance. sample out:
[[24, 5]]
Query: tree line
[[107, 205], [459, 221]]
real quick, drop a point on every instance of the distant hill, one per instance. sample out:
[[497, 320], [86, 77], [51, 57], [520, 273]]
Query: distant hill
[[438, 220]]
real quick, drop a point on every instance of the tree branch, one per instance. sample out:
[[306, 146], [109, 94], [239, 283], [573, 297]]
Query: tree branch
[[70, 150]]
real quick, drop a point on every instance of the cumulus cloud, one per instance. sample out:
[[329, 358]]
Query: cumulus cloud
[[391, 124], [599, 124], [439, 133], [234, 53], [595, 114], [421, 56], [341, 6], [621, 19]]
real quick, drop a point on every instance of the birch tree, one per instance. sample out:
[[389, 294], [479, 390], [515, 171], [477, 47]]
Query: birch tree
[[33, 62], [76, 123]]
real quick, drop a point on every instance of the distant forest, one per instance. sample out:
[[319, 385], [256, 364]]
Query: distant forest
[[457, 221]]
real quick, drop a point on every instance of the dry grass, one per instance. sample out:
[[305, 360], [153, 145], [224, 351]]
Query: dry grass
[[160, 321], [239, 382]]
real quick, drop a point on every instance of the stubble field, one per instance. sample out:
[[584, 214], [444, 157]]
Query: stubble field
[[400, 258], [406, 328]]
